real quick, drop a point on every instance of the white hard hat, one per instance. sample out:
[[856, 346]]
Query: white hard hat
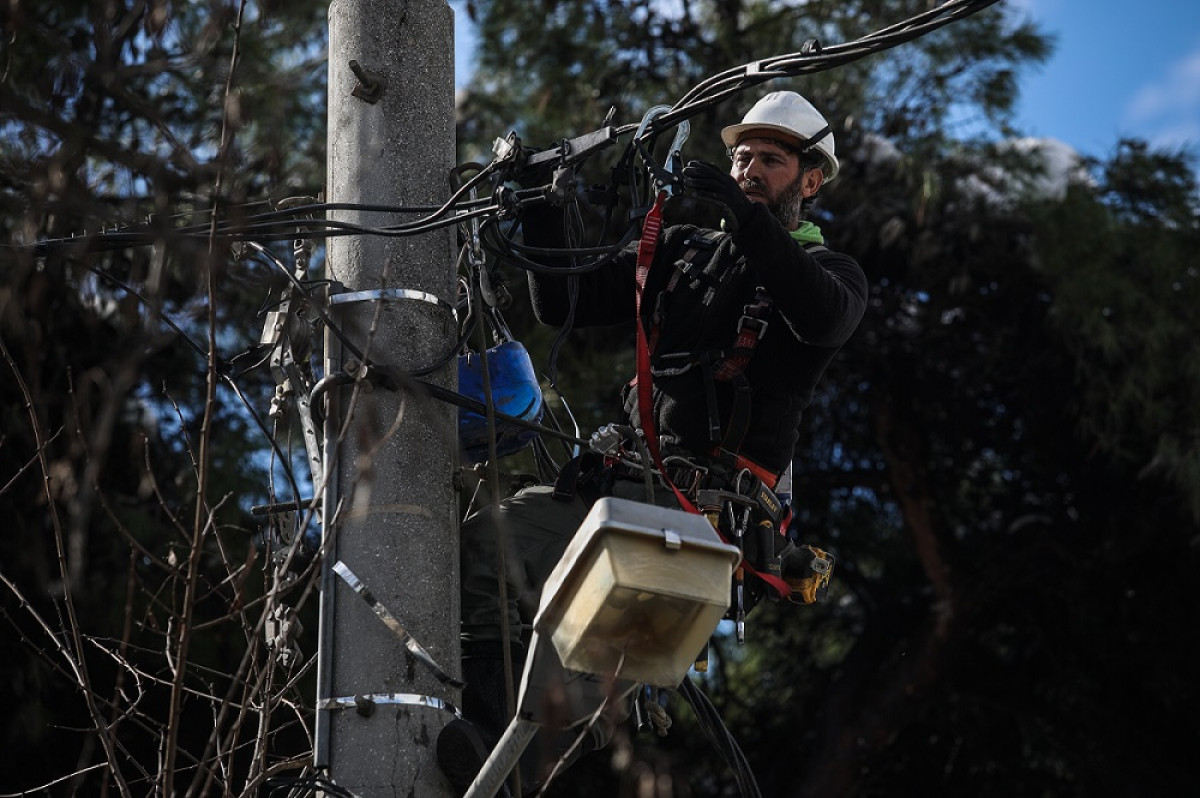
[[788, 112]]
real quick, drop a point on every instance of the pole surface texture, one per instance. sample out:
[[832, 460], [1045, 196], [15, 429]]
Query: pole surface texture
[[394, 452]]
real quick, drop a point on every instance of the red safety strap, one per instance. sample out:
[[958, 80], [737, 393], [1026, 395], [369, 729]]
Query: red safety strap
[[769, 478], [651, 229], [751, 327]]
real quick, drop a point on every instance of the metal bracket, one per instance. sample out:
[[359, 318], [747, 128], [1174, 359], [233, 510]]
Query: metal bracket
[[282, 627], [568, 151], [370, 86]]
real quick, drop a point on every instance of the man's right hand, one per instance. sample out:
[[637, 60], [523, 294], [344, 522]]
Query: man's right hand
[[704, 180]]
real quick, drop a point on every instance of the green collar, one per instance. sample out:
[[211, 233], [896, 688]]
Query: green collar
[[808, 233]]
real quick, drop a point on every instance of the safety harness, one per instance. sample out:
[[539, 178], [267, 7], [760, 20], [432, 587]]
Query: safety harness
[[727, 365], [651, 230]]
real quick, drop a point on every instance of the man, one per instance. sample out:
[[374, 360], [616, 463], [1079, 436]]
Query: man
[[741, 323]]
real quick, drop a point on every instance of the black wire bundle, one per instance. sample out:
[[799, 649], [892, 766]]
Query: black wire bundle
[[283, 224], [812, 57], [301, 786], [718, 734]]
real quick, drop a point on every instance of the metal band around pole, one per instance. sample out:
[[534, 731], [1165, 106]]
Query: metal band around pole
[[407, 699], [383, 294]]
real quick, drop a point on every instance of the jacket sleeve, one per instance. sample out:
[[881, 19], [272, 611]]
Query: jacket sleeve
[[822, 295], [604, 295]]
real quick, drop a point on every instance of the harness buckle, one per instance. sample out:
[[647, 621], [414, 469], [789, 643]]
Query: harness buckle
[[695, 476], [753, 323]]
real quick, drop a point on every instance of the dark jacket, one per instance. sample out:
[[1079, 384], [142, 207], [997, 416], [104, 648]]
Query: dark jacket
[[817, 299]]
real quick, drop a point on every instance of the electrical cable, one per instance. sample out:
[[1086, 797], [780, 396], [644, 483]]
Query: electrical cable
[[311, 785], [278, 225], [718, 734], [813, 57], [221, 366]]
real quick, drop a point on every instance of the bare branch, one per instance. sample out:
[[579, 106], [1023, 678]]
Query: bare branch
[[78, 661]]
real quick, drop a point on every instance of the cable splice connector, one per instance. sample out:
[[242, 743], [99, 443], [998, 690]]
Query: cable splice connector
[[607, 440], [506, 201]]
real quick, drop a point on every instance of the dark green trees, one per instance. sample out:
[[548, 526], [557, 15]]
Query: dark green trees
[[132, 596]]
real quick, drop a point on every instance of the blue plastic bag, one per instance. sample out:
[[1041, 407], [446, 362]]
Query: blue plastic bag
[[515, 392]]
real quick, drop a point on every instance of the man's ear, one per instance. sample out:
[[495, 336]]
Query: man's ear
[[811, 182]]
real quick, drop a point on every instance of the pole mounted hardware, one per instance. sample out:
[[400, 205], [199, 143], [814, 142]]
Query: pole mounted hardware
[[370, 85], [385, 615], [365, 704]]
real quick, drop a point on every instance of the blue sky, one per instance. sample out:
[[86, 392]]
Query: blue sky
[[1128, 69], [1120, 69]]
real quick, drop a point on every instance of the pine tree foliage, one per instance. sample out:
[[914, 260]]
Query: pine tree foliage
[[1124, 301], [133, 594]]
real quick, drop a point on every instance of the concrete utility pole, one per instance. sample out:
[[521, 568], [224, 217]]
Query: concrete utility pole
[[391, 142]]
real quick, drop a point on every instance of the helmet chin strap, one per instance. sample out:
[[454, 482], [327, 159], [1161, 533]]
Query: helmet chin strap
[[806, 144]]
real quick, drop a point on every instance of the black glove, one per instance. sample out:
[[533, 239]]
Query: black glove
[[704, 180]]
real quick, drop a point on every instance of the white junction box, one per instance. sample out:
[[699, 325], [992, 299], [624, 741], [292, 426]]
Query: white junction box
[[637, 593]]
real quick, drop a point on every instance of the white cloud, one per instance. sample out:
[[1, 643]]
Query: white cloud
[[1056, 166], [1059, 164], [1169, 108]]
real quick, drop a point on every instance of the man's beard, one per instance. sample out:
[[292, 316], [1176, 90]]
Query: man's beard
[[788, 205]]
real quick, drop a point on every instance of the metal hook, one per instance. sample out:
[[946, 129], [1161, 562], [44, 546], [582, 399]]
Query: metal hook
[[649, 117], [674, 155]]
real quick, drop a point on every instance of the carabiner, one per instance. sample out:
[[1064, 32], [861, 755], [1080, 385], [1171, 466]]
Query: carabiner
[[674, 155], [649, 117], [674, 163]]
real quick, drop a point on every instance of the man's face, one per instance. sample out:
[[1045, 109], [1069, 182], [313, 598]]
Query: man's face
[[763, 168], [771, 174]]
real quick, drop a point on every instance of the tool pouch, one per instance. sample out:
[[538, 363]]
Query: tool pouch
[[808, 570]]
